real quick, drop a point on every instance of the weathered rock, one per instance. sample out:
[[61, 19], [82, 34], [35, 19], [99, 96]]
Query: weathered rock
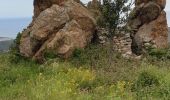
[[72, 37], [144, 14], [154, 31], [60, 29], [149, 12], [41, 5], [94, 6], [148, 25], [161, 3]]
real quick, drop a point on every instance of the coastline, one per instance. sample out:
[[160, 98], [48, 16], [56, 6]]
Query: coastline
[[5, 44], [5, 39]]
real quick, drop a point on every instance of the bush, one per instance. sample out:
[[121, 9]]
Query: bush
[[85, 76], [151, 83], [14, 50], [146, 79], [49, 54], [15, 46], [77, 53], [159, 53]]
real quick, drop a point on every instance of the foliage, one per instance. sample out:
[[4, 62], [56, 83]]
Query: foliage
[[14, 50], [115, 13], [147, 78], [152, 83], [15, 46], [28, 80], [49, 54], [160, 53], [85, 76]]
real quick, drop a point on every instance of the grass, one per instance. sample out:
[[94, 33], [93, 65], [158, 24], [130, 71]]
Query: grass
[[85, 76]]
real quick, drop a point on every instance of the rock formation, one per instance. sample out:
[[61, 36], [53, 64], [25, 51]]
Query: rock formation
[[41, 5], [148, 25], [95, 6], [59, 26]]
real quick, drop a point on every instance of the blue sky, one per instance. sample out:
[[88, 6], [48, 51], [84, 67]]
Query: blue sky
[[17, 8], [24, 8]]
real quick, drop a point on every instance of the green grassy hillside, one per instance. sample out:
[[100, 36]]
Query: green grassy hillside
[[85, 76]]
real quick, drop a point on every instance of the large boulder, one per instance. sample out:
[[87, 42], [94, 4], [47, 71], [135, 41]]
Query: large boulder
[[148, 25], [161, 3], [41, 5], [157, 30], [59, 29], [95, 7]]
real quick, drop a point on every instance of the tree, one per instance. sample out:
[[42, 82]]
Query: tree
[[115, 14]]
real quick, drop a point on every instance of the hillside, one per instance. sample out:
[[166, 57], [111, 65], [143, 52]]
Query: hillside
[[169, 34], [85, 76], [5, 44], [75, 52]]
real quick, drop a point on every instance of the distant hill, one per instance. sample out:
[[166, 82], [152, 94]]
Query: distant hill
[[5, 44], [169, 34]]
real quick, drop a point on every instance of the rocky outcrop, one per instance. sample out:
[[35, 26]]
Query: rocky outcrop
[[160, 3], [148, 25], [95, 7], [147, 28], [41, 5], [59, 28]]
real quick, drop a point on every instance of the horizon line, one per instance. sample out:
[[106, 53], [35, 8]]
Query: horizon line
[[16, 17]]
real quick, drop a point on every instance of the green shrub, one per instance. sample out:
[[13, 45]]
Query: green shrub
[[148, 76], [77, 53], [61, 80], [85, 76], [146, 79], [14, 50], [49, 54], [159, 53], [150, 83], [16, 43]]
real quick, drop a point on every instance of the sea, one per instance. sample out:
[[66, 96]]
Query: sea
[[10, 27]]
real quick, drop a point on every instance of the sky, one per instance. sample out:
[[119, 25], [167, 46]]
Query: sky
[[24, 8], [17, 8]]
